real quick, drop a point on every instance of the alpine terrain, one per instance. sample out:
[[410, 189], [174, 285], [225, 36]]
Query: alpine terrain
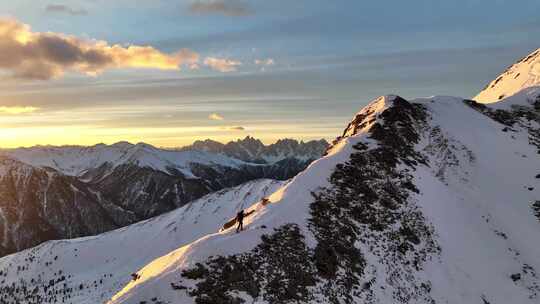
[[65, 192], [427, 200]]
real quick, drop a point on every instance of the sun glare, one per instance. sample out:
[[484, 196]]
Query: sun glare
[[17, 110]]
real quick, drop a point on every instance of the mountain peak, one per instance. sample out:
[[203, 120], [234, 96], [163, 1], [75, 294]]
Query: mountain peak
[[145, 146], [251, 149], [368, 115], [122, 145], [250, 140], [523, 74]]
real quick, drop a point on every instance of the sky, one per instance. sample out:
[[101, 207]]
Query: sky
[[168, 72]]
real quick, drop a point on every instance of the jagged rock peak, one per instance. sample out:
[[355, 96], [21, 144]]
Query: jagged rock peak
[[251, 149], [364, 119]]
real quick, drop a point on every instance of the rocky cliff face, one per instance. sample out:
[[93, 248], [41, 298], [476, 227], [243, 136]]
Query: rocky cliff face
[[37, 205]]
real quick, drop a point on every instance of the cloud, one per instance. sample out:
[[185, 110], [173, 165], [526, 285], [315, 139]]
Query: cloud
[[215, 116], [267, 62], [222, 64], [234, 8], [17, 110], [33, 55], [233, 128], [64, 9]]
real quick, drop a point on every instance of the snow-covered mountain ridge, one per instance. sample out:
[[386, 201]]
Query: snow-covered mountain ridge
[[78, 160], [411, 205], [430, 200], [523, 74]]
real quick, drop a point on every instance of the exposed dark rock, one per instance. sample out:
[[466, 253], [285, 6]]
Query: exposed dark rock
[[276, 270], [147, 192], [521, 116], [368, 199], [502, 116], [536, 209], [45, 205]]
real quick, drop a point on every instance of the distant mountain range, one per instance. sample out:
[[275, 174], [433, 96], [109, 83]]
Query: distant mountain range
[[250, 149], [51, 192]]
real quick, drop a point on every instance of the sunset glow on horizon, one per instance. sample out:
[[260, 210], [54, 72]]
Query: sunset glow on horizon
[[171, 72]]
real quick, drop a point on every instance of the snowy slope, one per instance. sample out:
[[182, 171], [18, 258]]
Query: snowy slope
[[433, 201], [523, 74], [104, 263]]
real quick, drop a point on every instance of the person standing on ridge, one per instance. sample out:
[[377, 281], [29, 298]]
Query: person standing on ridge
[[240, 220]]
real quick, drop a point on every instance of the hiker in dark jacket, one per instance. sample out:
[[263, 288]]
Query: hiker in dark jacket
[[240, 220]]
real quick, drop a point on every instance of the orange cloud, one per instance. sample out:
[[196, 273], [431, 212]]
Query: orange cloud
[[33, 55], [215, 116], [222, 64]]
